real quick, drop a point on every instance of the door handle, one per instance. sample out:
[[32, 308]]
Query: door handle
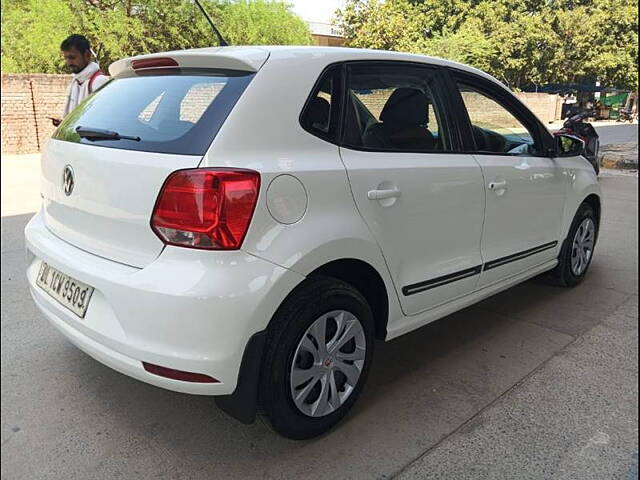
[[501, 185], [382, 194]]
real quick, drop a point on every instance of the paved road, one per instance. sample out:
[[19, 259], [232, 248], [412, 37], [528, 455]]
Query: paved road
[[544, 429], [610, 132], [538, 381], [617, 133]]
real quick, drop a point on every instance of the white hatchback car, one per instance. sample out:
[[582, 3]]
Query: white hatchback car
[[243, 222]]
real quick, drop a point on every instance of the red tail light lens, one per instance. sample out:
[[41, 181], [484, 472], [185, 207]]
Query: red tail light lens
[[206, 208]]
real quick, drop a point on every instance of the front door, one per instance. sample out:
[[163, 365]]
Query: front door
[[423, 202], [525, 189]]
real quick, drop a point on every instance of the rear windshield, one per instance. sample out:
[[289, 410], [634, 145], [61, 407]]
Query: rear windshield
[[177, 112]]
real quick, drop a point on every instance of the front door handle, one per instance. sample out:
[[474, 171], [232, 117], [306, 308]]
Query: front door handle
[[501, 185], [382, 194]]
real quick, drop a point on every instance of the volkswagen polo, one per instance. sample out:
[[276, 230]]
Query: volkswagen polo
[[245, 222]]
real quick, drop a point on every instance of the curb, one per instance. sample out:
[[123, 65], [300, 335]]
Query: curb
[[622, 156]]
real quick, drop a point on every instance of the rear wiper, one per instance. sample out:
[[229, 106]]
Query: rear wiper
[[100, 134]]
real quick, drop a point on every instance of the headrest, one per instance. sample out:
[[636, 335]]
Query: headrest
[[318, 113], [406, 107]]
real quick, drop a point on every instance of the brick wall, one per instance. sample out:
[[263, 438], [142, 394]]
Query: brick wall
[[27, 99], [546, 106]]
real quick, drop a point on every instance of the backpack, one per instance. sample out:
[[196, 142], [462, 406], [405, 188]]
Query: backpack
[[92, 78]]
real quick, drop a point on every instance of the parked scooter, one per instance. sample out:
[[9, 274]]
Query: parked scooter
[[577, 126], [625, 115]]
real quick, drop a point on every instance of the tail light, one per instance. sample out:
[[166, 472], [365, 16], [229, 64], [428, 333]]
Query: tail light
[[206, 208]]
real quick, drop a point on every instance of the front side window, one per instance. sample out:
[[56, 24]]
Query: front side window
[[394, 107], [176, 113], [495, 129]]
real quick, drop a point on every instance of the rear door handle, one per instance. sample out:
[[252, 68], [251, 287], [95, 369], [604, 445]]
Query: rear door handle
[[501, 185], [382, 194]]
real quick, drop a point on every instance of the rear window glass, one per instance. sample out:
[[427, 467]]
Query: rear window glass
[[170, 113]]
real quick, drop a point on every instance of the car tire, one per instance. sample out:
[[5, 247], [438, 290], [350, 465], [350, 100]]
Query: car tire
[[572, 264], [301, 409]]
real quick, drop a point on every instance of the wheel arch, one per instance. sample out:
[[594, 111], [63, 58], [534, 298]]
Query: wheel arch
[[242, 404], [583, 188], [366, 279], [594, 201]]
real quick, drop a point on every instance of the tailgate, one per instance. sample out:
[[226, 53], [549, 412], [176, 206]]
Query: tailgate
[[108, 160], [109, 209]]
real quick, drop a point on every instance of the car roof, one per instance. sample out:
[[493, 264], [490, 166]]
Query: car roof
[[251, 58]]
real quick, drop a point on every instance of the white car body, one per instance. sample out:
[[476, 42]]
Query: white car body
[[195, 310]]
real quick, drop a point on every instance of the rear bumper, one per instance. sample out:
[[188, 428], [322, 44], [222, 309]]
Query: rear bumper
[[188, 310]]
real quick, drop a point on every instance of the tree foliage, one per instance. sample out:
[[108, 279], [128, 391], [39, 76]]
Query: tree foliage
[[26, 42], [32, 30], [521, 42]]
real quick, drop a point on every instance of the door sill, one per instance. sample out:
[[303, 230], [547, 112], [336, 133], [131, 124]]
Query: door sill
[[409, 323]]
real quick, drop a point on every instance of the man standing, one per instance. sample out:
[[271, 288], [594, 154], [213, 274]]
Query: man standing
[[87, 77]]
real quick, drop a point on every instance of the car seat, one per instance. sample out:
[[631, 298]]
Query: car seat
[[403, 122], [318, 112]]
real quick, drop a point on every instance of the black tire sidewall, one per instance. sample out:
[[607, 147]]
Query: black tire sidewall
[[306, 304], [569, 278]]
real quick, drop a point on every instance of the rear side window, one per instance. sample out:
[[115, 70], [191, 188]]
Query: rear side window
[[176, 113], [394, 107], [322, 112]]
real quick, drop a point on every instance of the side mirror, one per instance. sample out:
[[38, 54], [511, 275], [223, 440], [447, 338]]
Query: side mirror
[[569, 146]]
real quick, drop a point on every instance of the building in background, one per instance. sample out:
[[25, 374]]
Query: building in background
[[325, 34], [319, 16]]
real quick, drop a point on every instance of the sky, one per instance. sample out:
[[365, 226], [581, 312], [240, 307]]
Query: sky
[[316, 10]]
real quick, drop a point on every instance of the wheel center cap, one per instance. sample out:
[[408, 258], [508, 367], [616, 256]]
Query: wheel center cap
[[328, 362]]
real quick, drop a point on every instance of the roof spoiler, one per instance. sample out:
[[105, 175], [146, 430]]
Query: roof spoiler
[[246, 59]]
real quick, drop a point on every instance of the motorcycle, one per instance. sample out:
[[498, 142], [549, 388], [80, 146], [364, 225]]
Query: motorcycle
[[625, 115], [576, 126]]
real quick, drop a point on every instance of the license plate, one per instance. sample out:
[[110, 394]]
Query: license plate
[[67, 291]]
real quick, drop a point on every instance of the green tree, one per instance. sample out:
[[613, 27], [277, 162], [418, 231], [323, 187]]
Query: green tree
[[600, 40], [521, 42], [390, 25], [31, 34], [113, 32], [523, 45], [33, 29], [263, 22], [467, 45]]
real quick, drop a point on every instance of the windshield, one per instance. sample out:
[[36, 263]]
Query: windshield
[[179, 113]]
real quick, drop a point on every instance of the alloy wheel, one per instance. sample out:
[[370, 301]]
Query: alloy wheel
[[582, 247], [327, 363]]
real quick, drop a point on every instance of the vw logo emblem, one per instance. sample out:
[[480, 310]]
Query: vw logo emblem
[[67, 180]]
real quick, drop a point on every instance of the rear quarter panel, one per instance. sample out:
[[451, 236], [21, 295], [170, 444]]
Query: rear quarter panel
[[263, 133]]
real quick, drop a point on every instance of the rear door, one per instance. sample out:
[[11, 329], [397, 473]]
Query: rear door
[[422, 201], [99, 194], [525, 188]]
